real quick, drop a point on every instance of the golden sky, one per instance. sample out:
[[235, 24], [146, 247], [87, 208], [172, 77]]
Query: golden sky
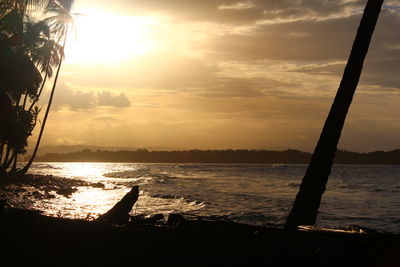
[[218, 74]]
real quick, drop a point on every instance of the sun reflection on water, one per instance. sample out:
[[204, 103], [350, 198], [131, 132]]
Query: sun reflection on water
[[97, 187], [96, 200], [83, 169]]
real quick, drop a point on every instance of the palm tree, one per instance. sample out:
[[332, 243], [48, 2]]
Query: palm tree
[[60, 22], [21, 42], [307, 202], [21, 5], [49, 55]]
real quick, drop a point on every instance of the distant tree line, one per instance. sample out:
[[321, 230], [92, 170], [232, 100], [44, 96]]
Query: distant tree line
[[289, 156]]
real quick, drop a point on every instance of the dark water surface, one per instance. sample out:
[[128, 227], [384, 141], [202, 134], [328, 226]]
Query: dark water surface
[[365, 195]]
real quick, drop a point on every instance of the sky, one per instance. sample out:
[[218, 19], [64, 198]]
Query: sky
[[220, 74]]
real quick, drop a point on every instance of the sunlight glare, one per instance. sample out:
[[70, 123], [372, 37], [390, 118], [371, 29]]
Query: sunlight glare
[[83, 169], [105, 37]]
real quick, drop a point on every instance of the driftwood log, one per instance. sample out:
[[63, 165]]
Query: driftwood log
[[119, 214]]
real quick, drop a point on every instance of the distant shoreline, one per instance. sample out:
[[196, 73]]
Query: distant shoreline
[[289, 156]]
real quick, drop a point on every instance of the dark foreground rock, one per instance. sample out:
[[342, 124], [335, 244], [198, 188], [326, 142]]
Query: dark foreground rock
[[28, 237]]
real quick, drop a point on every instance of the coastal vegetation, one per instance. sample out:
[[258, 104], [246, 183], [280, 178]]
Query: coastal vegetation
[[32, 41], [289, 156]]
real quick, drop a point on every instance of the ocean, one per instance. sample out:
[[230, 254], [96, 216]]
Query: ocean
[[260, 194]]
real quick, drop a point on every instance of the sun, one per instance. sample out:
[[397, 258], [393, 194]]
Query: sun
[[102, 37]]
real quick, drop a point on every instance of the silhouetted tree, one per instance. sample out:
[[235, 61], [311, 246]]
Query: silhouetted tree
[[20, 38], [28, 51], [307, 202], [60, 21]]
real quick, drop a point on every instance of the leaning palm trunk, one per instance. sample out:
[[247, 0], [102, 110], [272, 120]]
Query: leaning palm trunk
[[307, 202], [28, 165], [40, 90]]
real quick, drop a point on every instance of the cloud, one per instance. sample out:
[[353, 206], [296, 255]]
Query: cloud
[[65, 141], [180, 75], [331, 68], [175, 74], [82, 100], [315, 45], [108, 99], [74, 99], [301, 40], [382, 62], [236, 11], [319, 47], [232, 87], [149, 71]]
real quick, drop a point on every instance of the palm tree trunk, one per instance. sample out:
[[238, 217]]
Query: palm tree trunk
[[1, 151], [28, 165], [7, 160], [24, 103], [41, 89], [14, 163], [6, 157], [307, 202]]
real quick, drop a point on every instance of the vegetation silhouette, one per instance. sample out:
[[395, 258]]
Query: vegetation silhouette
[[30, 50], [290, 156], [307, 202], [60, 23]]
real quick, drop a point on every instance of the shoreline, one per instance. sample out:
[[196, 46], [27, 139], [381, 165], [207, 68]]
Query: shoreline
[[54, 190], [216, 163]]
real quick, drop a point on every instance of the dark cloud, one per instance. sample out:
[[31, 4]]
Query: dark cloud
[[325, 43], [382, 64], [306, 40], [301, 40], [236, 11], [383, 60]]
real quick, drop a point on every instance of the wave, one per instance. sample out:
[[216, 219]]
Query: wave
[[166, 196], [45, 166], [185, 166], [279, 165], [135, 174], [124, 174]]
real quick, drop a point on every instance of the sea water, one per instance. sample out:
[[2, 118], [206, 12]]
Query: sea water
[[261, 194]]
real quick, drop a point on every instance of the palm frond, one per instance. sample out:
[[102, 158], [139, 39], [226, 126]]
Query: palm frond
[[23, 6], [12, 22]]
